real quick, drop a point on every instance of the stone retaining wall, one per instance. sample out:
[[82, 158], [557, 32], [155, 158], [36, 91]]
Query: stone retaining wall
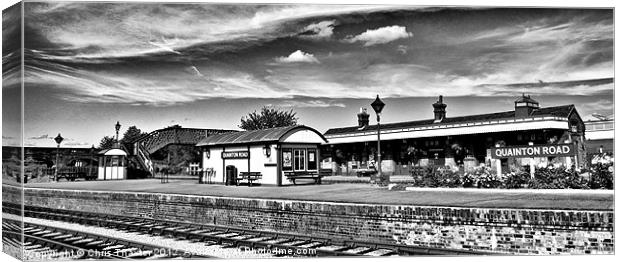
[[523, 231]]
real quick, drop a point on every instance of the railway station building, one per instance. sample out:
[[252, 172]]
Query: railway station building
[[600, 136], [275, 156], [528, 135]]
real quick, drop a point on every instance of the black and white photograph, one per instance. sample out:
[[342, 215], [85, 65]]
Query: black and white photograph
[[307, 130]]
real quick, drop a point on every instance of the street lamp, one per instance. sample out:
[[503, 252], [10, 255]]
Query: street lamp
[[378, 105], [58, 140], [92, 155], [117, 127]]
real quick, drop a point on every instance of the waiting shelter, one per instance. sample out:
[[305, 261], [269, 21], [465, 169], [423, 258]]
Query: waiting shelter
[[112, 164], [274, 156]]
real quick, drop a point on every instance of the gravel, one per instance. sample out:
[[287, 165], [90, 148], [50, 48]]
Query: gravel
[[181, 246]]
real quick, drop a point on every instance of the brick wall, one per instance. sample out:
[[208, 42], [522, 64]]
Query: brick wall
[[499, 230]]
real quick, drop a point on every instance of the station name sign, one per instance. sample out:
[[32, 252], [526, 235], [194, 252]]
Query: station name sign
[[533, 151], [235, 154]]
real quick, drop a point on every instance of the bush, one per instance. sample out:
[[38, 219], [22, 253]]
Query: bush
[[437, 177], [557, 177], [487, 178], [469, 180], [545, 177], [602, 172], [518, 179]]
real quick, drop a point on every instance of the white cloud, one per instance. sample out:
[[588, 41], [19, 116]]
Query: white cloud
[[312, 103], [321, 30], [128, 30], [380, 35], [298, 57], [160, 89]]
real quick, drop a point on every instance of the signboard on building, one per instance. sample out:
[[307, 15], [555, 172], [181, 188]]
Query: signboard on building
[[533, 151], [235, 154]]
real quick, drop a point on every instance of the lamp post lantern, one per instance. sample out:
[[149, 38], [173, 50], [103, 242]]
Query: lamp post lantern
[[117, 127], [58, 140], [377, 106]]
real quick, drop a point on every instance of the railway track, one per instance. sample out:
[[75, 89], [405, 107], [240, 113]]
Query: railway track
[[42, 242], [228, 237]]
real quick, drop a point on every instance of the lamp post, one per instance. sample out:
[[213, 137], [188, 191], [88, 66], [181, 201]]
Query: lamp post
[[92, 155], [117, 127], [58, 140], [378, 105]]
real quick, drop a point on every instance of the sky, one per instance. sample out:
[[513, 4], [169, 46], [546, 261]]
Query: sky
[[88, 65]]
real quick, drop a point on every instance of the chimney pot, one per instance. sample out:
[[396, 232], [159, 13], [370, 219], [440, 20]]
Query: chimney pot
[[439, 108], [363, 118]]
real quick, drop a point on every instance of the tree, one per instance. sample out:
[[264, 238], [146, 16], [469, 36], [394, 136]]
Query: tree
[[130, 136], [107, 142], [268, 117]]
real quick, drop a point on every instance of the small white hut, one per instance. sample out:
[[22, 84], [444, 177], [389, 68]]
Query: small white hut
[[112, 164]]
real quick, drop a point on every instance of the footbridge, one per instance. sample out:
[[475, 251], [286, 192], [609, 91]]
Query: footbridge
[[161, 138]]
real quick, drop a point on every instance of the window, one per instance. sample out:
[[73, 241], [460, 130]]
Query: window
[[299, 159], [287, 159], [115, 161], [312, 159]]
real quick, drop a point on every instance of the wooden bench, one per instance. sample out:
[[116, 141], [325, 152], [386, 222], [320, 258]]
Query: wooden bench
[[70, 175], [248, 176], [293, 175], [365, 172]]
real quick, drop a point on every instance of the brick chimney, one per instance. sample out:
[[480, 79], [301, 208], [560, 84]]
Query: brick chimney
[[362, 118], [439, 108], [524, 106]]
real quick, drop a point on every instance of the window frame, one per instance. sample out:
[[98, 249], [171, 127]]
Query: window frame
[[299, 154]]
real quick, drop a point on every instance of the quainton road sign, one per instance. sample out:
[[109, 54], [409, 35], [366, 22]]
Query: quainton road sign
[[533, 151]]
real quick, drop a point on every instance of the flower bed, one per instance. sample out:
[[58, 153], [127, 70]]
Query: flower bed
[[600, 175]]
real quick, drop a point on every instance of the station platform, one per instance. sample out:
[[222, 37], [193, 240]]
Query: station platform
[[566, 199]]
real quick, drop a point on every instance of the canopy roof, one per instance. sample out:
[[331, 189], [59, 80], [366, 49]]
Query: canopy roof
[[277, 134], [557, 111], [113, 152]]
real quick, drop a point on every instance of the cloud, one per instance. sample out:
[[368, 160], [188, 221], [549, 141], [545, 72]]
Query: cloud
[[40, 137], [312, 103], [77, 144], [319, 31], [298, 57], [195, 71], [48, 141], [243, 46], [602, 106], [157, 87], [380, 35], [112, 30]]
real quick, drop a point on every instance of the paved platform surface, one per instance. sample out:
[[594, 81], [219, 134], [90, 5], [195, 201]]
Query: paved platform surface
[[364, 193]]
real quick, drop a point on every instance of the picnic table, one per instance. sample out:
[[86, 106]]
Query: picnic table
[[248, 176]]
